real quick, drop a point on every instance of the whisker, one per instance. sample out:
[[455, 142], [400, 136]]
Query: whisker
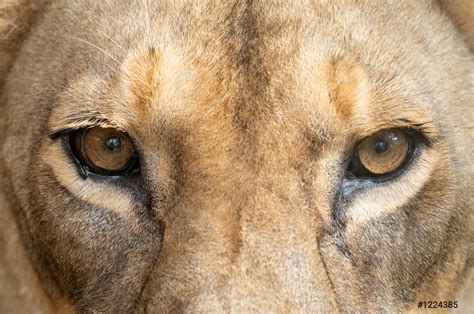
[[111, 39], [123, 68], [97, 47], [147, 16]]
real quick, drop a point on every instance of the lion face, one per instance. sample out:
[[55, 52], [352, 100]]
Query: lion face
[[241, 157]]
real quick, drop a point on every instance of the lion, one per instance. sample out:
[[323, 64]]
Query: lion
[[237, 156]]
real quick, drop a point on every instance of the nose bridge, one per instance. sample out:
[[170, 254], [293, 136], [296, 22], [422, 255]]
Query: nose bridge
[[279, 264], [243, 240], [242, 234]]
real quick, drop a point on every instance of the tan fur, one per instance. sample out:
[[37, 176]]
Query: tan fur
[[349, 86], [244, 116], [461, 12]]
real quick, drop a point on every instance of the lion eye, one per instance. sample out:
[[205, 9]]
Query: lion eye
[[381, 153], [104, 151]]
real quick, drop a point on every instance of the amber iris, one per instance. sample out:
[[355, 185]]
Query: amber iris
[[104, 149], [384, 151]]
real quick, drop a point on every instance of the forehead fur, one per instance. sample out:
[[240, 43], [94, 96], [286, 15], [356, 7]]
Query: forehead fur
[[164, 72]]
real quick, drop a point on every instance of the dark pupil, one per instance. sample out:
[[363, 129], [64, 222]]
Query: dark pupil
[[380, 147], [113, 143]]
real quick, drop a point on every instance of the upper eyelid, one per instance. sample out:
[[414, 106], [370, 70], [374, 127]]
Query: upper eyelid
[[71, 114], [56, 133], [426, 129]]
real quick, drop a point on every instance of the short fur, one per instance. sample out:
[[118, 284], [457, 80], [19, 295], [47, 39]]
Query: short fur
[[244, 115]]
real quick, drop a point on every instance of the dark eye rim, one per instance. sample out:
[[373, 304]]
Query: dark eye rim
[[86, 167], [355, 170]]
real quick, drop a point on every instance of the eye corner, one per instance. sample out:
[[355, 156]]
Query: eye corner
[[424, 130], [423, 137], [59, 134]]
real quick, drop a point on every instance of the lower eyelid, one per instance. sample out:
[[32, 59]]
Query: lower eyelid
[[363, 199]]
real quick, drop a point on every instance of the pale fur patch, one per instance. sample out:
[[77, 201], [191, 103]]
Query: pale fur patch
[[386, 199], [99, 195]]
